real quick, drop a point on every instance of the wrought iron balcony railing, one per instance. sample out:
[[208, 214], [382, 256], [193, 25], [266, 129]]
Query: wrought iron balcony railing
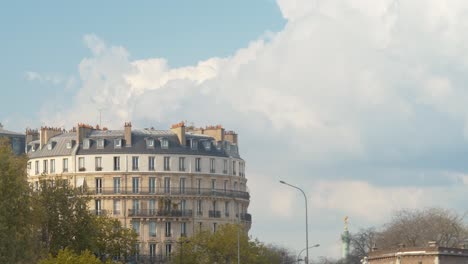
[[159, 213], [168, 192], [214, 214]]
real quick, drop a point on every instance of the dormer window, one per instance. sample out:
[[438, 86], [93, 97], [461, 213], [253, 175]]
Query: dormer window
[[86, 143], [117, 143], [49, 146], [100, 143], [164, 143], [150, 143], [69, 145], [207, 145], [33, 148], [194, 144]]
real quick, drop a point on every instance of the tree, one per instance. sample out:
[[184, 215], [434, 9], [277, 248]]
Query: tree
[[15, 224], [206, 247], [67, 256]]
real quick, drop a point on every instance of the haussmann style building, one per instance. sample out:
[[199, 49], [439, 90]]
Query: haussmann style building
[[165, 184], [17, 140]]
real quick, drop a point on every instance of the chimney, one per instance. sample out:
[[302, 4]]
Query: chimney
[[215, 131], [31, 135], [48, 133], [179, 130], [231, 136], [82, 132], [128, 134]]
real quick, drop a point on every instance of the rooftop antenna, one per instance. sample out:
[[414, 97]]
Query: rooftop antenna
[[100, 116]]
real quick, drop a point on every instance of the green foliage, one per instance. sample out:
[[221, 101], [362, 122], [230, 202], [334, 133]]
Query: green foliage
[[67, 256], [15, 224], [114, 240], [206, 247]]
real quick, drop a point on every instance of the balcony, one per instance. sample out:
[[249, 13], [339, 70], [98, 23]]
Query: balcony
[[171, 192], [214, 214], [246, 217], [99, 212], [159, 213]]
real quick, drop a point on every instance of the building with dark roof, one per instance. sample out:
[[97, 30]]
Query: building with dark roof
[[17, 140], [165, 184]]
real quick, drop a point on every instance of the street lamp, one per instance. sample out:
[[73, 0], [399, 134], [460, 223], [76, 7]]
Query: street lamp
[[307, 229], [298, 255]]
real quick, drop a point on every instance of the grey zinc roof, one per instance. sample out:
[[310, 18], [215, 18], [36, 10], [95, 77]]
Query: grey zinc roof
[[9, 133], [139, 138]]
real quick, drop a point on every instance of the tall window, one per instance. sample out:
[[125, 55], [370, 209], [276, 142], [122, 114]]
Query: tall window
[[167, 185], [116, 185], [152, 185], [199, 186], [136, 206], [136, 227], [198, 164], [152, 250], [116, 163], [152, 230], [36, 167], [97, 206], [116, 207], [213, 184], [135, 185], [226, 209], [167, 163], [152, 206], [81, 163], [65, 165], [233, 168], [212, 166], [183, 229], [225, 185], [98, 163], [168, 232], [52, 166], [135, 164], [151, 163], [214, 227], [199, 207], [44, 167], [181, 163], [225, 166], [98, 185], [183, 205], [168, 249], [182, 185], [167, 205]]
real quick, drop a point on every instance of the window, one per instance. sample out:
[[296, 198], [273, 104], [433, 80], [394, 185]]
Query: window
[[214, 227], [98, 163], [86, 143], [116, 185], [136, 227], [136, 206], [151, 163], [152, 230], [181, 163], [168, 229], [199, 186], [234, 168], [116, 208], [235, 186], [98, 185], [225, 164], [117, 143], [194, 144], [183, 229], [152, 206], [44, 168], [100, 143], [213, 184], [225, 185], [135, 185], [97, 206], [198, 164], [167, 162], [150, 143], [167, 185], [167, 205], [52, 166], [152, 185], [49, 146], [168, 249], [29, 165], [183, 205], [69, 145], [135, 160], [116, 163], [226, 209], [164, 144], [81, 164], [199, 207], [207, 145], [36, 167], [200, 226], [212, 166], [182, 185], [152, 251], [65, 165]]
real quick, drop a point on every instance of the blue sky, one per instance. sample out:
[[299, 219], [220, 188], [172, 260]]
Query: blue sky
[[360, 102]]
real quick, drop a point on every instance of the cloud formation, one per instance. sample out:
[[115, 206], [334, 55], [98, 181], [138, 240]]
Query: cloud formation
[[362, 102]]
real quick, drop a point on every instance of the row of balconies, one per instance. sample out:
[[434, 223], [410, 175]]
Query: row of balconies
[[170, 192]]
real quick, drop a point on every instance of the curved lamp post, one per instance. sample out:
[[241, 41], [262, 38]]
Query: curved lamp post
[[299, 255], [307, 229]]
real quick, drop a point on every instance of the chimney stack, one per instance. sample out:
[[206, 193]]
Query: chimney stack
[[179, 130], [48, 133], [82, 132], [215, 131], [128, 134], [231, 136]]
